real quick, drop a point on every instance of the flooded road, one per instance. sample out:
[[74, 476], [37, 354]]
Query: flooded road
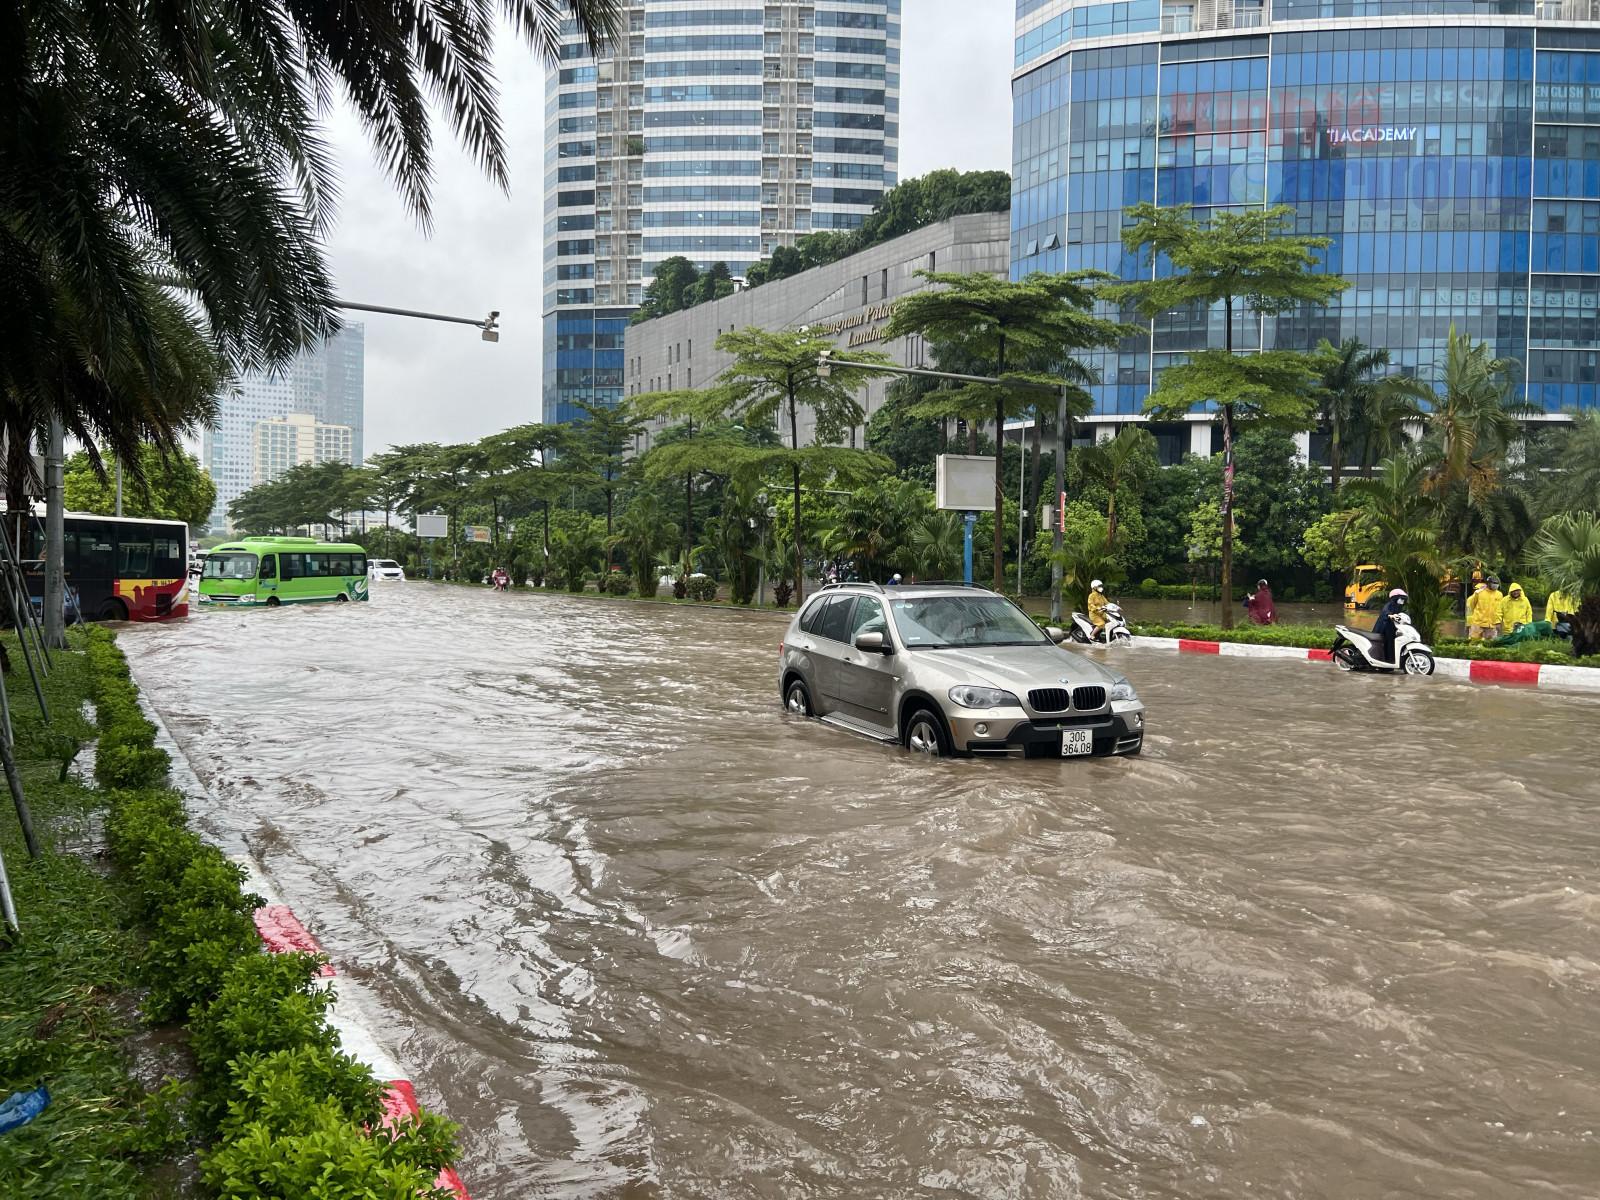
[[644, 935]]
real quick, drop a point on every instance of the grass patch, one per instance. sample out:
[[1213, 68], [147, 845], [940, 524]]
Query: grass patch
[[67, 984]]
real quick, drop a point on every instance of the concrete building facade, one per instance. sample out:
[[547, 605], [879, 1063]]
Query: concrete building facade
[[327, 383], [716, 131], [850, 299], [293, 440]]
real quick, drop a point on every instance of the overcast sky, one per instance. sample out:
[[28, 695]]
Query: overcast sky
[[434, 382]]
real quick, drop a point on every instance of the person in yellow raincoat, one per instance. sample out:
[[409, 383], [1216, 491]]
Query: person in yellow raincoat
[[1482, 614], [1558, 604], [1517, 610], [1097, 607]]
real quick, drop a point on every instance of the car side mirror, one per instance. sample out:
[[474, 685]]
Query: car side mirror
[[1055, 633], [873, 643]]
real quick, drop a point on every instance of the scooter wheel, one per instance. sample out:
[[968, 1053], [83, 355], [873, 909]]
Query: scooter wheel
[[1346, 658], [1418, 662]]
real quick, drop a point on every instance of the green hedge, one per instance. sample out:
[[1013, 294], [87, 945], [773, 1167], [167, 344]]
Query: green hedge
[[287, 1114]]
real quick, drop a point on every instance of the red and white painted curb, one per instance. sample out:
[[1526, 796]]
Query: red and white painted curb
[[282, 933], [1478, 670]]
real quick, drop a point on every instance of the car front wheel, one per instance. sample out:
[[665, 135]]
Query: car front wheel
[[925, 735]]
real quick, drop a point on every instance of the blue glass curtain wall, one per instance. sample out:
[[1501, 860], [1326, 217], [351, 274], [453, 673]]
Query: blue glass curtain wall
[[1456, 172]]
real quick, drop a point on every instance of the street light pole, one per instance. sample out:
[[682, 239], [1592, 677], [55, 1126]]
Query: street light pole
[[1058, 535]]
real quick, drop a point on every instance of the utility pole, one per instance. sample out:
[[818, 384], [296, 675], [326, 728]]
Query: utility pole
[[55, 635], [1056, 535]]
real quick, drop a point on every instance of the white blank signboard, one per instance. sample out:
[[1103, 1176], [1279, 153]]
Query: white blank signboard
[[433, 525], [965, 482]]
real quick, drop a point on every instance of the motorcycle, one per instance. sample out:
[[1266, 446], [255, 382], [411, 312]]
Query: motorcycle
[[1362, 650], [1116, 629]]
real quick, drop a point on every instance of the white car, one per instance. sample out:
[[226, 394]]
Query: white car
[[384, 568]]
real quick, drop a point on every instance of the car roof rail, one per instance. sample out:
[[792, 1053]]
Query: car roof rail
[[961, 583], [866, 583]]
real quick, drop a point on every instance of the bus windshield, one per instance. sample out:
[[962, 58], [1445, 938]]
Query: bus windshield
[[229, 564]]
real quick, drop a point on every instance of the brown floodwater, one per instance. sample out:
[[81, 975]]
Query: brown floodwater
[[642, 934]]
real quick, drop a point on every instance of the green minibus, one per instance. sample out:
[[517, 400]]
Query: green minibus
[[283, 570]]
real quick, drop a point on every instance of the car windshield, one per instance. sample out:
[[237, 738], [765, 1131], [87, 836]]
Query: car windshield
[[939, 622], [230, 565], [388, 564]]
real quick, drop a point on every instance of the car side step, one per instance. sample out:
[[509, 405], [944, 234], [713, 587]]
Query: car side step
[[861, 728]]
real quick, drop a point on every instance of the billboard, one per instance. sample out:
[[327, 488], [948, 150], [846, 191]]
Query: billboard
[[965, 482], [433, 525], [477, 533]]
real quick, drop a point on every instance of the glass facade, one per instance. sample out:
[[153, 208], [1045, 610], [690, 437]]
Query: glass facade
[[699, 133], [1455, 166]]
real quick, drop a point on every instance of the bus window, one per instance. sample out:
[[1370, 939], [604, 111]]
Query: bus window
[[133, 560], [292, 566], [169, 562], [229, 564], [269, 566]]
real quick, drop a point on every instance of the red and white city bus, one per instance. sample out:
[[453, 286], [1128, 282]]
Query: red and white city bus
[[117, 568]]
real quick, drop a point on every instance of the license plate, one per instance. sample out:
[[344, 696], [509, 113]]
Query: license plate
[[1076, 741]]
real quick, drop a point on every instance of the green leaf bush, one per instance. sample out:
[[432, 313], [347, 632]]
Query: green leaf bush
[[701, 587], [292, 1115]]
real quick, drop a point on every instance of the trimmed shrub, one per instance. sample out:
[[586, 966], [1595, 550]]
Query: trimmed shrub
[[702, 587], [616, 584]]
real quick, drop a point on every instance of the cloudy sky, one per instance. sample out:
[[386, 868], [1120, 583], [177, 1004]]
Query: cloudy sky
[[436, 382]]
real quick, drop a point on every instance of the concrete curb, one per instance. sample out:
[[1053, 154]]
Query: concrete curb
[[281, 933], [1478, 670]]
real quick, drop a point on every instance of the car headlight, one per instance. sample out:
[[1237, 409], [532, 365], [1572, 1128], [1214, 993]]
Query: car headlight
[[1123, 691], [971, 696]]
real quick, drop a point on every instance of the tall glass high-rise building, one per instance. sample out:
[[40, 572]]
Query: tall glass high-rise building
[[1450, 148], [716, 130]]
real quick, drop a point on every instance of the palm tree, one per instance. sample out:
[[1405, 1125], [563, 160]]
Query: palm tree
[[874, 525], [1359, 399], [1567, 554], [644, 534], [1122, 463], [1473, 419], [1402, 520], [936, 545], [1575, 480]]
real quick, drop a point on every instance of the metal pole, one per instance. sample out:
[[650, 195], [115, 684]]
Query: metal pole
[[119, 487], [54, 538], [13, 780], [969, 520], [1057, 537], [7, 905], [1022, 512]]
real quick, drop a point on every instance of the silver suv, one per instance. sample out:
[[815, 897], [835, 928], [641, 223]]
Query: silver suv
[[951, 669]]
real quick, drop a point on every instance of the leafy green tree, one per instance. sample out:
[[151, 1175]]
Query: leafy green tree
[[1567, 554], [674, 287], [575, 544], [873, 526], [936, 545], [1085, 555], [1033, 324], [1247, 261], [644, 534], [911, 443], [1337, 542], [716, 283], [1278, 496], [773, 377], [604, 437], [1358, 399], [172, 487]]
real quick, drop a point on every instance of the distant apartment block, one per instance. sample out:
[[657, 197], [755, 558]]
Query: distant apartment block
[[718, 133], [326, 384], [293, 440]]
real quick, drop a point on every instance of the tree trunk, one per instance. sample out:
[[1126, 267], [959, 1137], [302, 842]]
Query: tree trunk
[[799, 538], [544, 566], [688, 523], [610, 493], [1000, 477], [1227, 486], [1335, 454], [1036, 477], [1057, 537], [55, 584]]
